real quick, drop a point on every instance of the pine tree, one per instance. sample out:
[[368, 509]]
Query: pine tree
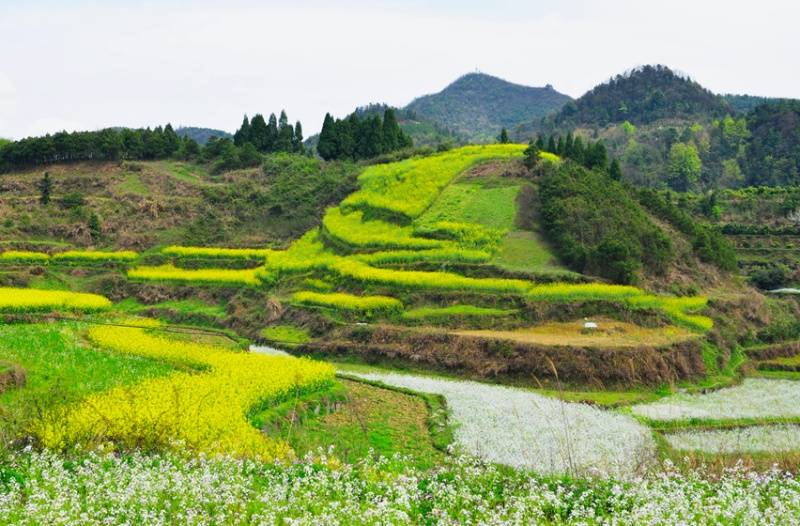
[[503, 137], [258, 132], [560, 149], [45, 187], [615, 170], [391, 131], [551, 145], [95, 229], [171, 140], [285, 134], [531, 159], [347, 131], [297, 138], [242, 135], [327, 145], [568, 144], [540, 141], [272, 134]]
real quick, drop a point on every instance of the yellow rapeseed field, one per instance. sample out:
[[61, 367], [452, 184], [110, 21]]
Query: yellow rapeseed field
[[204, 411], [220, 276], [30, 300]]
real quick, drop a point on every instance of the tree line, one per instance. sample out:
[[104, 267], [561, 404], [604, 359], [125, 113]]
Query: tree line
[[275, 135], [356, 137], [104, 145]]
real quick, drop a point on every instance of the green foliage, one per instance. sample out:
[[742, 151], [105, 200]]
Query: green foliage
[[277, 136], [349, 302], [684, 167], [503, 137], [597, 228], [351, 230], [476, 105], [773, 152], [72, 201], [707, 241], [45, 188], [643, 95], [771, 277], [286, 334], [454, 311], [360, 136]]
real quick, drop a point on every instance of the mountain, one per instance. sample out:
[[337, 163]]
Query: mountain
[[477, 105], [202, 135], [641, 96]]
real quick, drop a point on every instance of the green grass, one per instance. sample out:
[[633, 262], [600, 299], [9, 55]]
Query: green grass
[[185, 173], [187, 306], [285, 334], [132, 184], [60, 370], [491, 207], [372, 419], [524, 250]]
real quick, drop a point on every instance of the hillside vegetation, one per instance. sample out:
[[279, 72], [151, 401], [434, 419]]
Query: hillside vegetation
[[477, 106]]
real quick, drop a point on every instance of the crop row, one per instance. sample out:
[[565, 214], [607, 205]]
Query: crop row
[[407, 188], [348, 302], [70, 256], [216, 253], [455, 311], [34, 300], [352, 230], [204, 412], [218, 276]]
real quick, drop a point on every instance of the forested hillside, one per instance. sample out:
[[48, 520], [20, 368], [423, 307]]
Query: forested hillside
[[641, 96], [477, 106]]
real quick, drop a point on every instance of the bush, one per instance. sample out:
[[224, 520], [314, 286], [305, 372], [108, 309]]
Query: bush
[[72, 200], [772, 277]]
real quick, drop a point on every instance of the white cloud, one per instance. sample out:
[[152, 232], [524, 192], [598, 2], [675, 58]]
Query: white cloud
[[96, 65]]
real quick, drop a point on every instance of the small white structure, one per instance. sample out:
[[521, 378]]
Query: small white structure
[[589, 326]]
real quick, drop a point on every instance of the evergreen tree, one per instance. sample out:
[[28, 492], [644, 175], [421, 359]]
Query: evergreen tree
[[95, 229], [531, 159], [503, 137], [615, 170], [369, 142], [596, 156], [285, 134], [391, 131], [259, 135], [272, 134], [297, 138], [551, 145], [568, 144], [577, 151], [560, 146], [327, 145], [540, 141], [171, 140], [242, 135], [45, 187], [347, 133]]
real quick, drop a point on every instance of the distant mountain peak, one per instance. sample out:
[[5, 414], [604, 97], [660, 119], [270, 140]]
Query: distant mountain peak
[[477, 105]]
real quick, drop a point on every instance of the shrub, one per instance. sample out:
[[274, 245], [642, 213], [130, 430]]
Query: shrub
[[72, 200], [34, 300]]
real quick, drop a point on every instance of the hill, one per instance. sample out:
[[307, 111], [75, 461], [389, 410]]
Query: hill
[[202, 135], [477, 105], [641, 96]]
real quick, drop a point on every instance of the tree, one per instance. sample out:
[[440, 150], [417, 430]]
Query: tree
[[297, 138], [615, 170], [45, 187], [327, 146], [95, 229], [248, 156], [391, 131], [551, 145], [684, 166], [540, 141], [242, 135], [272, 134], [259, 136], [503, 137], [531, 156], [285, 134]]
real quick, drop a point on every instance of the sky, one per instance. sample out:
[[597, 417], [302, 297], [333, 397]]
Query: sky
[[85, 65]]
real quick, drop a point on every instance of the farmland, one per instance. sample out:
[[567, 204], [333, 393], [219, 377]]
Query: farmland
[[423, 325]]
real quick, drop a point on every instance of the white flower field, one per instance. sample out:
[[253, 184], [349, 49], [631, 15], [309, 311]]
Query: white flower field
[[523, 429], [752, 439]]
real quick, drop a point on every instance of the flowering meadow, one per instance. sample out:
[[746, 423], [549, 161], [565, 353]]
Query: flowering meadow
[[753, 398], [44, 488], [526, 430], [29, 300], [750, 439], [203, 411]]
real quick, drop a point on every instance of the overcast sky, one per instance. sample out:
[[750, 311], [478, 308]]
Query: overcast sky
[[88, 65]]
